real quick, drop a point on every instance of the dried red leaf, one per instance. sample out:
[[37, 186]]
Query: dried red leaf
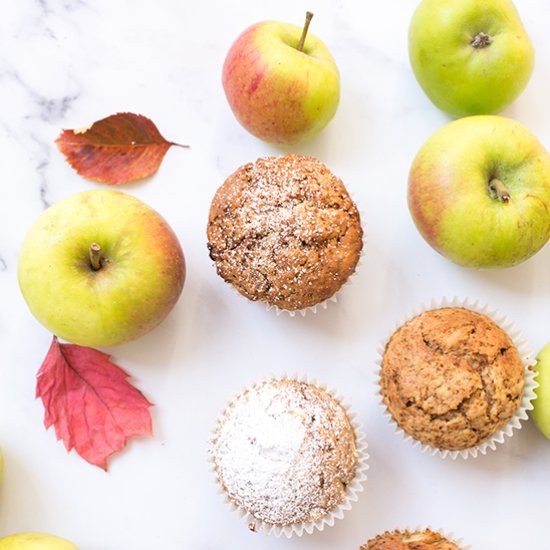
[[117, 149], [90, 402]]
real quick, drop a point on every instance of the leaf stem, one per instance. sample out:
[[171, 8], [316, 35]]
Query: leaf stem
[[95, 256], [309, 17]]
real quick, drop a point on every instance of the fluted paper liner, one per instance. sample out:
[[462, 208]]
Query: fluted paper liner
[[447, 534], [352, 490], [529, 379]]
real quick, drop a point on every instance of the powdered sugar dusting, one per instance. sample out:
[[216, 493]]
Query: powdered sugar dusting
[[285, 452], [284, 230]]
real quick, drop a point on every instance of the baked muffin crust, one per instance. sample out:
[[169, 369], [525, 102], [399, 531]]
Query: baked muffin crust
[[284, 451], [451, 378], [285, 231], [410, 540]]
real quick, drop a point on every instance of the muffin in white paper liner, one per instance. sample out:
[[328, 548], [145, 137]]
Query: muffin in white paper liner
[[298, 528], [321, 305], [284, 230], [446, 534], [529, 378], [334, 297]]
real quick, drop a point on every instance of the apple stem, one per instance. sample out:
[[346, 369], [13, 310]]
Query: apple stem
[[497, 190], [481, 40], [95, 256], [309, 17]]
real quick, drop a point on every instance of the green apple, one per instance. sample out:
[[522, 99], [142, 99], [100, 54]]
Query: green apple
[[35, 541], [470, 56], [479, 192], [100, 268], [282, 89], [541, 411]]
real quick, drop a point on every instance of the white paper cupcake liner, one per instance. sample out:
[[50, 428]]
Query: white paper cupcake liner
[[309, 309], [334, 298], [529, 379], [352, 490], [447, 534]]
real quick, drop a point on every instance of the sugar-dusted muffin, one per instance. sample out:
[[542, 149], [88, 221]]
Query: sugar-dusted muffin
[[410, 540], [451, 378], [285, 452], [284, 230]]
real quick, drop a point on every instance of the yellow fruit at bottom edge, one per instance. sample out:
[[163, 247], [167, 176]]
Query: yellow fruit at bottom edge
[[35, 541]]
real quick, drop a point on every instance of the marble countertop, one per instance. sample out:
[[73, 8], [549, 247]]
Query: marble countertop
[[66, 63]]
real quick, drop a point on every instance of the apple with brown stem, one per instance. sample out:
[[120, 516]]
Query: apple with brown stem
[[101, 268], [479, 192], [281, 82]]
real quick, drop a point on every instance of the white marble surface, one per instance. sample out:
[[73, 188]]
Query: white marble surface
[[67, 63]]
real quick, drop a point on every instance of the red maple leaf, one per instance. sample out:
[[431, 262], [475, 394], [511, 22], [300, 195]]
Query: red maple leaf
[[90, 402], [116, 149]]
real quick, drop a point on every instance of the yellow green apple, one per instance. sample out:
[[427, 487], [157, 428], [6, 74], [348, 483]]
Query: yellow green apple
[[470, 56], [479, 192], [282, 89], [35, 541], [100, 268], [541, 411]]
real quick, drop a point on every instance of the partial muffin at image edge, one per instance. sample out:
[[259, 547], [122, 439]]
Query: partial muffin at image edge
[[286, 454], [451, 378], [410, 540], [284, 231]]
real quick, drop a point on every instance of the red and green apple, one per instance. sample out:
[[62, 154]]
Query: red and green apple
[[479, 192], [283, 88], [101, 268]]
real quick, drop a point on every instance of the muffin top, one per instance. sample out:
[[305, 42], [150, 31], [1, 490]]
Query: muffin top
[[410, 540], [284, 451], [285, 231], [451, 378]]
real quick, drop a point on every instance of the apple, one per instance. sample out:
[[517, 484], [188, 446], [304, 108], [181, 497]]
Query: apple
[[541, 405], [479, 192], [469, 56], [282, 85], [35, 541], [100, 268]]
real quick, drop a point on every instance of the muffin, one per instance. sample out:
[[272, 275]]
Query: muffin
[[286, 454], [410, 540], [451, 378], [284, 230]]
